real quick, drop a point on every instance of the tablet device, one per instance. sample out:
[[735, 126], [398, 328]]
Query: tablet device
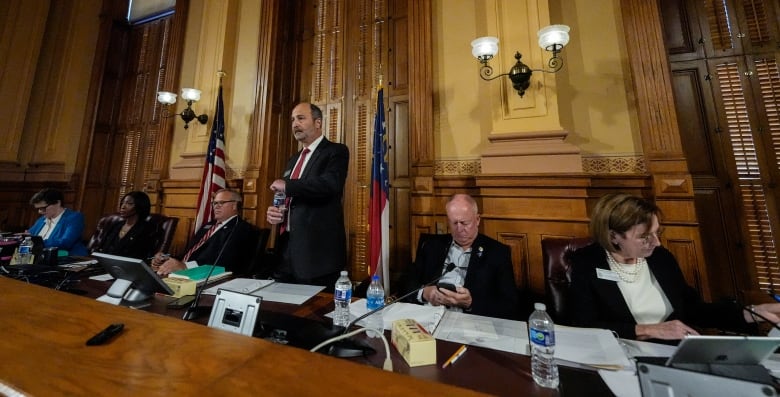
[[743, 350]]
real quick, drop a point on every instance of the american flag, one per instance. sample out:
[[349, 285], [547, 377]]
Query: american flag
[[379, 208], [214, 169]]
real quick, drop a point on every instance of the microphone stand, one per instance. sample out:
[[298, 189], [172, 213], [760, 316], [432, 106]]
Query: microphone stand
[[194, 311], [347, 348]]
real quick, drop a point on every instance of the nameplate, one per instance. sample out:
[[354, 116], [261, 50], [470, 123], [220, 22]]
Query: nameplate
[[605, 274]]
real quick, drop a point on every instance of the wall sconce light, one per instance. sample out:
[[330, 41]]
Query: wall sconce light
[[551, 38], [190, 95]]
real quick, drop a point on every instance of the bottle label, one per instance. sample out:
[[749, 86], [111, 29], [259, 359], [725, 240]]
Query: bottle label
[[375, 302], [343, 294], [542, 338], [24, 249], [279, 200]]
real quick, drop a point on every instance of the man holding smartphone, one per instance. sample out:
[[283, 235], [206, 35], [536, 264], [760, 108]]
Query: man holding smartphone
[[482, 281]]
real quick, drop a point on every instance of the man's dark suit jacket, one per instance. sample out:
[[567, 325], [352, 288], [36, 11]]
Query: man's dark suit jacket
[[489, 277], [598, 303], [239, 238], [317, 244]]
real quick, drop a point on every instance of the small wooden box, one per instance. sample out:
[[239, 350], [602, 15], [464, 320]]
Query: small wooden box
[[415, 344], [180, 286]]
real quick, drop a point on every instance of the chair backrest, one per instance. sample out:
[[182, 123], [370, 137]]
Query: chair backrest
[[165, 228], [556, 252], [104, 224], [263, 262]]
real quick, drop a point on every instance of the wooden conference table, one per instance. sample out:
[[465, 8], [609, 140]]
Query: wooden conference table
[[43, 352]]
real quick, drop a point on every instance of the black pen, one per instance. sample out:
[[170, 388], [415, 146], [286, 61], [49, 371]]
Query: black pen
[[106, 334]]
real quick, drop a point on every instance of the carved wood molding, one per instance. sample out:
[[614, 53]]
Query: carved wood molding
[[420, 87], [652, 81]]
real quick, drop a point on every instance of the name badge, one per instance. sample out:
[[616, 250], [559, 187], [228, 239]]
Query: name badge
[[605, 274]]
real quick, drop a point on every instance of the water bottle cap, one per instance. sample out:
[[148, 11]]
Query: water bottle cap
[[540, 306], [375, 277], [344, 273]]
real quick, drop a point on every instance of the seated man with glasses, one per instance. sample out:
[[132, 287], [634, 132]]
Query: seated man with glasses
[[482, 274], [227, 240], [628, 283], [58, 226]]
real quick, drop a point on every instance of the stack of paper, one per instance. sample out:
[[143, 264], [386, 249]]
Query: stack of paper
[[426, 315], [269, 290]]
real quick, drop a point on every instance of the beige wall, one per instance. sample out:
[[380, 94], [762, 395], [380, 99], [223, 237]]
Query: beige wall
[[590, 97], [221, 35], [45, 85]]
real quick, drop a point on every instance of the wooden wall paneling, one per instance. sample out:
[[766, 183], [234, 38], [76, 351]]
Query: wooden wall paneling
[[657, 115], [420, 88], [281, 57]]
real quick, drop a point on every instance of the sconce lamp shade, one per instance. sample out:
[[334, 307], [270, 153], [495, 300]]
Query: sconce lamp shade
[[166, 98], [190, 94], [553, 37], [484, 48]]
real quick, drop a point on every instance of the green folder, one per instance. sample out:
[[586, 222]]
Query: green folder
[[198, 273]]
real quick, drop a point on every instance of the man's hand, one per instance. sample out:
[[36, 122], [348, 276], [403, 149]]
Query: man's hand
[[461, 298], [279, 185], [169, 266], [274, 215]]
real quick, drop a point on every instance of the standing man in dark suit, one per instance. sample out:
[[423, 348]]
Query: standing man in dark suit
[[312, 241], [483, 277], [227, 240]]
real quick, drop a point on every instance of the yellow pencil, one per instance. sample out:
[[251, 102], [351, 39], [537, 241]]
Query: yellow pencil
[[455, 356]]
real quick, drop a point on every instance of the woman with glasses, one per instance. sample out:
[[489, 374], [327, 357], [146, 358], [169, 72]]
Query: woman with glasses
[[58, 226], [627, 282], [134, 237]]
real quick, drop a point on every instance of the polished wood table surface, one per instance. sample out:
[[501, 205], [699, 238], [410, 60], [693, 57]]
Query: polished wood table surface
[[43, 353]]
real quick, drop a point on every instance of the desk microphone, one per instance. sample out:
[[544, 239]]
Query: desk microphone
[[345, 350], [194, 311]]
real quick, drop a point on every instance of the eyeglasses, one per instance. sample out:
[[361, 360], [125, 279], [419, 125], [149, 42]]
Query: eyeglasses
[[221, 203], [647, 239], [42, 209]]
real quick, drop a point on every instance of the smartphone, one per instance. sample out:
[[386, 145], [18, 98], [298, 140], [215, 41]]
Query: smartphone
[[182, 302], [448, 286]]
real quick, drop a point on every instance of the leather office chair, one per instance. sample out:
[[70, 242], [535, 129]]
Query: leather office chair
[[557, 272], [264, 261], [166, 227]]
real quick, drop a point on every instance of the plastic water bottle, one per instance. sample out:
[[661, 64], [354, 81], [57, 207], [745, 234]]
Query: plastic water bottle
[[279, 198], [541, 332], [342, 296], [375, 298], [25, 250]]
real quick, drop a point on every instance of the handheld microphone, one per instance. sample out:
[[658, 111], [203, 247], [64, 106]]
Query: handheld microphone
[[350, 349], [194, 311]]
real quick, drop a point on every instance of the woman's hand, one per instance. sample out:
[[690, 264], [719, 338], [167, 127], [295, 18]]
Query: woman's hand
[[669, 330], [769, 310]]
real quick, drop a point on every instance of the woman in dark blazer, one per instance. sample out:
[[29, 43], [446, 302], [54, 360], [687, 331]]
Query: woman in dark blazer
[[135, 237], [628, 283]]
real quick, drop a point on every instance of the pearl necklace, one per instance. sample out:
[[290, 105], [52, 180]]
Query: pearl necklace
[[625, 274]]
